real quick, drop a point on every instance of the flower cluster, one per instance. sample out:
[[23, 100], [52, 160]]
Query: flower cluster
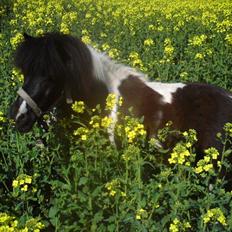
[[133, 129], [82, 132], [180, 155], [2, 119], [190, 137], [177, 225], [113, 53], [228, 39], [206, 164], [16, 40], [199, 56], [111, 101], [7, 223], [213, 216], [141, 213], [78, 107], [22, 182], [106, 122], [95, 121], [11, 224], [130, 153], [181, 152], [148, 42], [113, 187], [197, 40], [135, 60], [228, 129], [168, 48], [160, 39], [17, 75]]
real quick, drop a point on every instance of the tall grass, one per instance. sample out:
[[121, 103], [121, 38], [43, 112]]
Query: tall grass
[[92, 186]]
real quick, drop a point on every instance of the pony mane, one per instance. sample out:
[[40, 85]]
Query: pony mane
[[54, 54]]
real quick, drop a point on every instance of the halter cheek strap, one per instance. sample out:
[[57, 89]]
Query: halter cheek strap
[[23, 94]]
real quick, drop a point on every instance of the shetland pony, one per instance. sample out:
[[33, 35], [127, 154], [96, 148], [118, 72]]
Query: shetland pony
[[61, 68]]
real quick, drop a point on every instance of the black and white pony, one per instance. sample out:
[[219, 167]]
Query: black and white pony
[[57, 66]]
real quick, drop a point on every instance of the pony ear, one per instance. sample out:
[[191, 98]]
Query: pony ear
[[26, 36]]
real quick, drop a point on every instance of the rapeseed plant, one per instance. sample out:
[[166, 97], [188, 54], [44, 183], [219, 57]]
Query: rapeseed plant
[[101, 188]]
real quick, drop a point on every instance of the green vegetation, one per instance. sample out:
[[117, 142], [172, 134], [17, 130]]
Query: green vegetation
[[94, 186]]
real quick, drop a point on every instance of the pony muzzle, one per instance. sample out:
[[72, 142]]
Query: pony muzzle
[[26, 97]]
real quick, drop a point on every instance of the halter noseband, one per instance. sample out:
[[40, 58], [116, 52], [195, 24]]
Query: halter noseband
[[38, 112], [23, 94]]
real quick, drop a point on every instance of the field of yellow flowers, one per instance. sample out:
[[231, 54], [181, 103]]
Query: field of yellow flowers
[[81, 182]]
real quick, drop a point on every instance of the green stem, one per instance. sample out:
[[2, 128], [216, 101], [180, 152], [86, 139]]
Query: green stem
[[127, 174]]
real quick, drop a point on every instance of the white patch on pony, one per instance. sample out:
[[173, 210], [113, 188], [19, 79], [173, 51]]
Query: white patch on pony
[[165, 89], [22, 109], [113, 115], [112, 74]]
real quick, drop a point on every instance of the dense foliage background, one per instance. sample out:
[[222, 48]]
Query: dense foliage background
[[93, 186]]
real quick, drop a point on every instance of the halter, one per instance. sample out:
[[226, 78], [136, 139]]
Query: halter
[[26, 97], [35, 108]]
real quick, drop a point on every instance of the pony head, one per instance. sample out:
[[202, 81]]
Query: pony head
[[52, 65]]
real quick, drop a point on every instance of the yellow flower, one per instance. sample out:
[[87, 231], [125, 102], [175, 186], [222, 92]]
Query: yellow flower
[[120, 101], [106, 122], [135, 59], [123, 194], [113, 187], [95, 121], [86, 39], [4, 217], [197, 40], [112, 193], [141, 213], [24, 188], [78, 107], [15, 223], [113, 53], [82, 132], [228, 39], [168, 48], [21, 182], [148, 42], [198, 169], [199, 56], [84, 137], [208, 167], [213, 215], [185, 133], [134, 130], [105, 46], [28, 179], [15, 183], [18, 38], [206, 159], [179, 155], [17, 75], [212, 152], [24, 230], [174, 227], [111, 101]]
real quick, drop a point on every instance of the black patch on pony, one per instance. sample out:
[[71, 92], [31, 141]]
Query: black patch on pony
[[57, 62], [62, 57]]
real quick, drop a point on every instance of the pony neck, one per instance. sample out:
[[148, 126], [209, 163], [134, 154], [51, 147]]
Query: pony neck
[[109, 72]]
